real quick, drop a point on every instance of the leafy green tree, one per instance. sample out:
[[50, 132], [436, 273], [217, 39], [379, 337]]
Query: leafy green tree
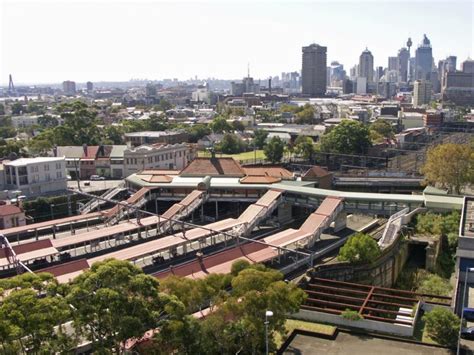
[[306, 115], [114, 301], [259, 138], [34, 107], [274, 149], [197, 131], [380, 130], [450, 165], [304, 147], [11, 148], [231, 144], [2, 109], [47, 121], [114, 135], [17, 108], [28, 320], [238, 126], [220, 125], [442, 326], [349, 137], [360, 248], [157, 123], [6, 127], [164, 105], [350, 314]]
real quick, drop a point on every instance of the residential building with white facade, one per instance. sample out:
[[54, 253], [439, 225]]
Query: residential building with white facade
[[158, 156], [36, 176]]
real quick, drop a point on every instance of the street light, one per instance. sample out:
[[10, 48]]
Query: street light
[[268, 314], [462, 307]]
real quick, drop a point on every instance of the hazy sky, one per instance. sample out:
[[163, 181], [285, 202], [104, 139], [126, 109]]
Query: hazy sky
[[46, 42]]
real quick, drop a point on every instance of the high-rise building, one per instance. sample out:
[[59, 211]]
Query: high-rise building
[[89, 86], [69, 88], [393, 63], [467, 66], [421, 93], [337, 74], [366, 66], [423, 60], [403, 58], [314, 70]]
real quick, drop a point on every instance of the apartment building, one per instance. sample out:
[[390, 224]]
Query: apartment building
[[158, 156], [36, 176]]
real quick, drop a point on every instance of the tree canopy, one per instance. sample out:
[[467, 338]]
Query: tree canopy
[[220, 125], [231, 144], [304, 147], [380, 130], [360, 248], [274, 149], [259, 137], [442, 325], [349, 137], [450, 166], [114, 301]]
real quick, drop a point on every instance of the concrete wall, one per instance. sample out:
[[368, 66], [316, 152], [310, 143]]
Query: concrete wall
[[381, 327], [382, 272]]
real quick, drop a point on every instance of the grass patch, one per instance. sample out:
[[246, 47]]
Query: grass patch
[[292, 324], [241, 156], [420, 333]]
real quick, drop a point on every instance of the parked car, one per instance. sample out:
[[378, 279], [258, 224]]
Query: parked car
[[97, 178], [467, 333], [468, 314]]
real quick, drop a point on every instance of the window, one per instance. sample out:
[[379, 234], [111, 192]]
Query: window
[[46, 167], [58, 166], [48, 177], [59, 174]]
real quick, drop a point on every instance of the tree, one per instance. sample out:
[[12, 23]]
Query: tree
[[238, 126], [350, 314], [6, 127], [381, 129], [220, 125], [47, 121], [17, 108], [114, 301], [2, 109], [306, 115], [360, 248], [304, 147], [450, 165], [28, 320], [442, 325], [164, 105], [274, 149], [259, 137], [197, 131], [231, 144], [349, 137], [11, 149], [435, 285]]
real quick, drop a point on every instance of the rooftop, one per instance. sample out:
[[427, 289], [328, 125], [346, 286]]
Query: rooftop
[[151, 133], [7, 210], [213, 167], [27, 161]]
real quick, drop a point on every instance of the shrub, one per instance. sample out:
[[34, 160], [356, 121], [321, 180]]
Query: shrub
[[349, 314]]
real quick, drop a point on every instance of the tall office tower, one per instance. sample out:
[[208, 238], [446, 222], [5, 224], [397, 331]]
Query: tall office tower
[[366, 66], [89, 86], [403, 58], [447, 65], [393, 63], [314, 70], [421, 93], [423, 60], [468, 66], [337, 74], [379, 73], [69, 88]]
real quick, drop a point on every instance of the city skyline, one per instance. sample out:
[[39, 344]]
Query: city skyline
[[158, 40]]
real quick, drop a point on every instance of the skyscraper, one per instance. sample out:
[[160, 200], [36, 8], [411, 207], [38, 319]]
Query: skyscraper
[[403, 58], [423, 60], [468, 66], [69, 88], [314, 70], [366, 66], [393, 63], [89, 86], [421, 93]]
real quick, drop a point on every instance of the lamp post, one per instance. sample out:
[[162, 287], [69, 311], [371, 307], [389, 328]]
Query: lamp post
[[268, 314], [51, 209], [462, 307]]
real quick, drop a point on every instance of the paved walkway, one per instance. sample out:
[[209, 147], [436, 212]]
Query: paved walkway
[[346, 343]]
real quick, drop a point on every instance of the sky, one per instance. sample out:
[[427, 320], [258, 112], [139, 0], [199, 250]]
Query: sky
[[105, 40]]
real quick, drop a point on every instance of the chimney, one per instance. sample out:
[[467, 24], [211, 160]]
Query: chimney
[[270, 86], [55, 150], [84, 148]]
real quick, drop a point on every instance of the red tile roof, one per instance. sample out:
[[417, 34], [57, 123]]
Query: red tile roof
[[7, 210], [273, 171], [259, 180], [213, 167], [315, 172], [91, 152]]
